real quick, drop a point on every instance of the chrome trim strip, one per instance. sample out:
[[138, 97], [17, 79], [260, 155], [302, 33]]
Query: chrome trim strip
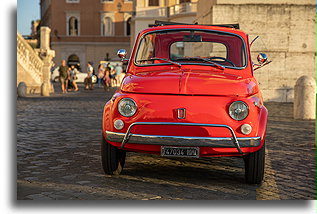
[[128, 134], [163, 140]]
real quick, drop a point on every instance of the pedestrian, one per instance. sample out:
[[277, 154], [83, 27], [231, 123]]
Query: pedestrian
[[118, 70], [73, 77], [119, 73], [101, 74], [112, 76], [64, 76], [106, 79], [88, 79]]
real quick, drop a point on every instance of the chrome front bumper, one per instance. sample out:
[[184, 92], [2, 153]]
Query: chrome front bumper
[[224, 142]]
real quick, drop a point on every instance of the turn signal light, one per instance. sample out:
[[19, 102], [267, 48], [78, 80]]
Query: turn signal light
[[118, 124], [246, 129]]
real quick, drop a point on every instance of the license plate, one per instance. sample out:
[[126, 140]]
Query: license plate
[[168, 151]]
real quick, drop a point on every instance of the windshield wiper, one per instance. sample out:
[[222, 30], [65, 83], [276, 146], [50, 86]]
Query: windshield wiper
[[202, 59], [155, 58]]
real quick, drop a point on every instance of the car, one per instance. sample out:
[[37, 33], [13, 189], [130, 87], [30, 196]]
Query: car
[[81, 76], [189, 91], [55, 74]]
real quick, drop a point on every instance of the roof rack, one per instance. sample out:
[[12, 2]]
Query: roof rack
[[164, 23]]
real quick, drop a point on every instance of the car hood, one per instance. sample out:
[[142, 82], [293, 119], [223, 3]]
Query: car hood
[[189, 82]]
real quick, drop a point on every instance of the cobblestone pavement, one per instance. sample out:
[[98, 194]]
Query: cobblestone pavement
[[58, 157]]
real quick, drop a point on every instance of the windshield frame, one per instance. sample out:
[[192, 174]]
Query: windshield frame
[[186, 63]]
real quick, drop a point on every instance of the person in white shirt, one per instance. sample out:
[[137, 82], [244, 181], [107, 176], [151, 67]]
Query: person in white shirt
[[88, 79], [119, 74]]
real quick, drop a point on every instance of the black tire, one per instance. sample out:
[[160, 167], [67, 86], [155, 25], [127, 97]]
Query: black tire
[[254, 166], [112, 158]]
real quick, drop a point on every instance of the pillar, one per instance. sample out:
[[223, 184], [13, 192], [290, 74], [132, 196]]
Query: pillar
[[47, 55], [305, 98]]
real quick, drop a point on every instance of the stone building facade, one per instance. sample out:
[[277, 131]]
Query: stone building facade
[[287, 30], [147, 11], [87, 30]]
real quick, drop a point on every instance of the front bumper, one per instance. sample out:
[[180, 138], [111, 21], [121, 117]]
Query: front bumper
[[220, 142]]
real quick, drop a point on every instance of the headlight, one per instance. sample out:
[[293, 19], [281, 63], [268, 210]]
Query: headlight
[[127, 107], [238, 110]]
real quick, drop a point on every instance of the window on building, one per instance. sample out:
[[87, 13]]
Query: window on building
[[107, 26], [154, 3], [128, 27], [73, 26]]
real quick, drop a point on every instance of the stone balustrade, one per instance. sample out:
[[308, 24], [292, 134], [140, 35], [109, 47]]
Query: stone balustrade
[[177, 9], [29, 60], [184, 8], [157, 12], [33, 65], [29, 66]]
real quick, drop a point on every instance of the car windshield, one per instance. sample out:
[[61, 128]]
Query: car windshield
[[218, 49]]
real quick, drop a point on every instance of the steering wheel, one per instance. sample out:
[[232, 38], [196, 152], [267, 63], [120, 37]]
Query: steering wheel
[[222, 58]]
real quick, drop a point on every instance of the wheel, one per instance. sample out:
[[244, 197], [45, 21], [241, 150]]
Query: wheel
[[254, 166], [112, 158]]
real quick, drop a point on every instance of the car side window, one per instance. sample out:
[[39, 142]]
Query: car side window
[[146, 50]]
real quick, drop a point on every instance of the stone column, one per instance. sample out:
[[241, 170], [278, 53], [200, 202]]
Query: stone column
[[305, 98], [47, 55]]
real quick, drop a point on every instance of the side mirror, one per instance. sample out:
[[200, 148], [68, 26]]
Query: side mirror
[[122, 53], [262, 60]]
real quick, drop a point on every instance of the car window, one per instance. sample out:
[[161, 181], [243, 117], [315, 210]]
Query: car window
[[146, 49], [191, 47]]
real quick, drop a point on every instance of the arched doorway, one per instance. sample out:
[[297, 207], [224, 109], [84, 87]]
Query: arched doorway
[[73, 60]]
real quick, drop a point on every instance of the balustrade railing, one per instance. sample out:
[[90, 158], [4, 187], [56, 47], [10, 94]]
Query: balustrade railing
[[190, 7], [157, 12], [29, 59]]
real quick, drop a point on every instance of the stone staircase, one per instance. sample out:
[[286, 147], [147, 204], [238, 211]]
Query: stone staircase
[[29, 66]]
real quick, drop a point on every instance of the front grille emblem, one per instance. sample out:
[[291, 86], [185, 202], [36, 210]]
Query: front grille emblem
[[181, 113]]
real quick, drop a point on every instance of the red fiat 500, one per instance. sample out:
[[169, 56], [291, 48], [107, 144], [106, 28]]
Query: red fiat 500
[[189, 91]]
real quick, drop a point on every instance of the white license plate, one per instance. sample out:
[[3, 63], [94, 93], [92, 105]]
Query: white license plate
[[168, 151]]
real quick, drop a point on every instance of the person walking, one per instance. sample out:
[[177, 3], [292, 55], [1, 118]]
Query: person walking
[[119, 75], [107, 79], [64, 76], [73, 71], [88, 79], [101, 74]]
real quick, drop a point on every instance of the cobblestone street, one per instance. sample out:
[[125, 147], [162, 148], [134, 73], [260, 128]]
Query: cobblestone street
[[58, 157]]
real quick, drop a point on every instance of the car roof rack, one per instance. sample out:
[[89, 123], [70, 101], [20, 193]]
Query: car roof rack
[[164, 23]]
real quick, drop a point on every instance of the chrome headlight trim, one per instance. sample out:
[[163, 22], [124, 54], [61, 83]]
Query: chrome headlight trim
[[122, 102], [233, 113]]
